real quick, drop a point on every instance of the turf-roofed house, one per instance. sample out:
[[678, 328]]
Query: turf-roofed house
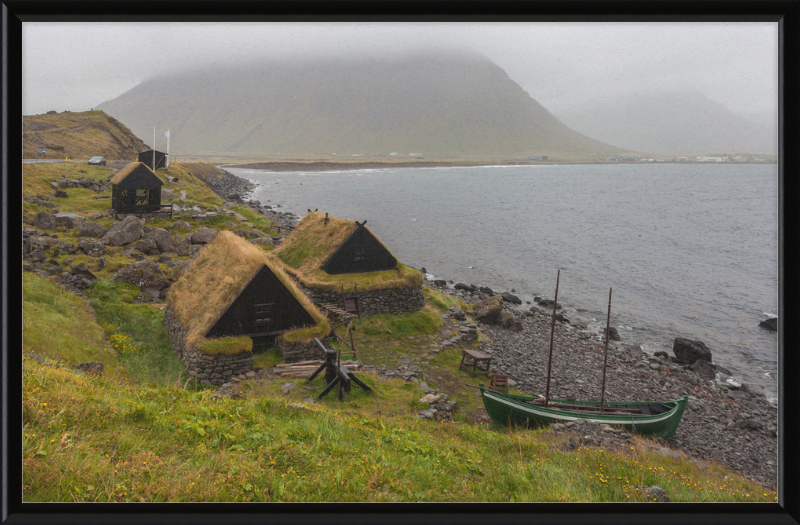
[[235, 300], [328, 254], [135, 189], [146, 157]]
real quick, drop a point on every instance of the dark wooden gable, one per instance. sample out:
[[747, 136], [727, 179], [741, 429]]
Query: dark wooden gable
[[141, 178], [147, 158], [264, 306], [360, 252]]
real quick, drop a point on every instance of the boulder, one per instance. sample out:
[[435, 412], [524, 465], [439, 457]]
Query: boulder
[[92, 229], [488, 311], [486, 290], [69, 220], [440, 282], [124, 232], [91, 248], [180, 225], [78, 282], [83, 270], [507, 320], [164, 240], [147, 247], [688, 351], [770, 324], [458, 314], [511, 298], [704, 369], [466, 287], [144, 274], [202, 235], [546, 303], [61, 194], [167, 195], [44, 221], [654, 492], [613, 333]]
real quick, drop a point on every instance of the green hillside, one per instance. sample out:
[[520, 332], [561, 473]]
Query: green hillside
[[78, 135], [454, 105]]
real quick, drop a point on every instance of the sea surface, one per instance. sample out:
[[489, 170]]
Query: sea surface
[[690, 250]]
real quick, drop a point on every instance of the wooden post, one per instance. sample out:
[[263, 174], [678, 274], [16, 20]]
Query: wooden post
[[605, 354], [550, 355], [352, 344]]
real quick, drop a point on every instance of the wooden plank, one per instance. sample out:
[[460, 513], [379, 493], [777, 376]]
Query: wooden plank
[[317, 371], [360, 383]]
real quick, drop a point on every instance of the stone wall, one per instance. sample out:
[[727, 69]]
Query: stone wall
[[390, 301], [296, 352], [211, 369]]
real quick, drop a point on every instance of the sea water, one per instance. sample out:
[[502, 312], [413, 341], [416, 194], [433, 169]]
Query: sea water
[[689, 249]]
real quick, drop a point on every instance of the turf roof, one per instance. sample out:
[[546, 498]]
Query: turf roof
[[124, 172], [215, 278], [313, 241]]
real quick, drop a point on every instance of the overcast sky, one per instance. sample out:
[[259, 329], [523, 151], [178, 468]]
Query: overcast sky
[[76, 66]]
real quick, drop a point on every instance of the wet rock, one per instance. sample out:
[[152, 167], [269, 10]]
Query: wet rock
[[613, 334], [687, 351], [511, 298], [488, 311], [770, 324], [546, 303], [484, 289], [704, 369]]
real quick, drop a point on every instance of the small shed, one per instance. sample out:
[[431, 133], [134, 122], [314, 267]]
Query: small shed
[[234, 289], [146, 157], [135, 189]]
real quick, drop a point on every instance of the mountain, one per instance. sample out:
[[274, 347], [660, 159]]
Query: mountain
[[78, 135], [672, 123], [436, 105]]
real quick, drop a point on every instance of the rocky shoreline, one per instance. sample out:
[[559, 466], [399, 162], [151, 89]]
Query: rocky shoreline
[[370, 165], [733, 425]]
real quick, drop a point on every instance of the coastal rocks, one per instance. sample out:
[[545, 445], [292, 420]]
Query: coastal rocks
[[687, 351], [467, 334], [44, 221], [511, 298], [507, 320], [92, 229], [770, 324], [124, 232], [546, 303], [488, 311], [144, 274], [612, 333], [704, 369]]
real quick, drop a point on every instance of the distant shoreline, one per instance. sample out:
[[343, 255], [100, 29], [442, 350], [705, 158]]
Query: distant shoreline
[[287, 166]]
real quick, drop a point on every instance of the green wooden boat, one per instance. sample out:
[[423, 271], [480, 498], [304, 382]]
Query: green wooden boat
[[656, 419]]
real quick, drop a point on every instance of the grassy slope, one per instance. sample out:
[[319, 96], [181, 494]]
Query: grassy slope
[[79, 136], [113, 439]]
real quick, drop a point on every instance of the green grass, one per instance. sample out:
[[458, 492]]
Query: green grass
[[92, 440], [137, 332], [425, 321], [226, 345], [59, 325], [444, 301], [271, 357]]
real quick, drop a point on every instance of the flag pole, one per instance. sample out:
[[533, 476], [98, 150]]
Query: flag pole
[[154, 149]]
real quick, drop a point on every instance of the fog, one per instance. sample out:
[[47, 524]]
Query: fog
[[564, 66]]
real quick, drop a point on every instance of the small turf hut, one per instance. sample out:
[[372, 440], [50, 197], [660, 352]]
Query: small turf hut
[[234, 299], [327, 253], [135, 189], [146, 157]]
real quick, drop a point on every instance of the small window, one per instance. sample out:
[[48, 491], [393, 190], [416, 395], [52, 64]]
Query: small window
[[360, 254]]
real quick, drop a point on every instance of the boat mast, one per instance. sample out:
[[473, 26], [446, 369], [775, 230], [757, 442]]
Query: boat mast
[[550, 357], [605, 354]]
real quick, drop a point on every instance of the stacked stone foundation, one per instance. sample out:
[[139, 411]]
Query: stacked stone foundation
[[374, 302], [209, 369]]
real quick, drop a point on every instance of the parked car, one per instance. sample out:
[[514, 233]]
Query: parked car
[[100, 161]]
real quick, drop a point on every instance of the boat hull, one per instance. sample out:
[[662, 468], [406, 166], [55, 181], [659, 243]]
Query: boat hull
[[509, 409]]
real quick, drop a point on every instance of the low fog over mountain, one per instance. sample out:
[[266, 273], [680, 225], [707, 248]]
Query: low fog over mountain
[[449, 105], [673, 123]]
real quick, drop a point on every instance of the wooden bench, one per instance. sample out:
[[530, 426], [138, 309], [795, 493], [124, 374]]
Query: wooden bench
[[476, 362]]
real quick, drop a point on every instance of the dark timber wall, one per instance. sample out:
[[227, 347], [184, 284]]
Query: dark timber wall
[[360, 252], [140, 190], [147, 158], [264, 306]]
